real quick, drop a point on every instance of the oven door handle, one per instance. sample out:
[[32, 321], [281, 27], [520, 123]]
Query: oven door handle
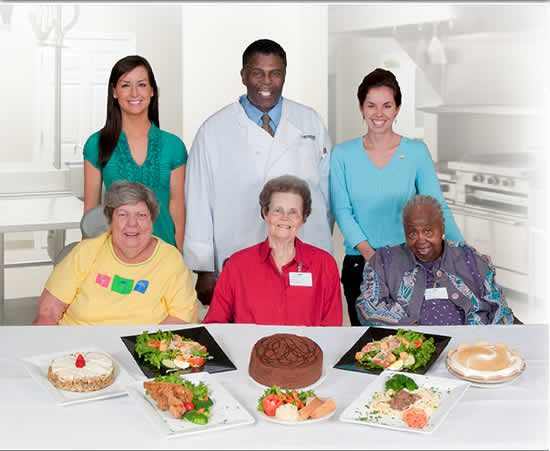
[[490, 216]]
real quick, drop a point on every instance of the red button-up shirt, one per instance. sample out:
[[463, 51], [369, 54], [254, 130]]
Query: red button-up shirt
[[250, 289]]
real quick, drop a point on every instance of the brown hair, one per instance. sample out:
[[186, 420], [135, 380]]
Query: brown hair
[[286, 184], [377, 78], [108, 137]]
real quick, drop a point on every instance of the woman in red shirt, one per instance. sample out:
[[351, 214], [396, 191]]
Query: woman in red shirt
[[280, 280]]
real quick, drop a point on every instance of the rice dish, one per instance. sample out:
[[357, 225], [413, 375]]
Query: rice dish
[[428, 402]]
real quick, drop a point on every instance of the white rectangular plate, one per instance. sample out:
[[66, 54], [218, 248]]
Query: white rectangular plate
[[449, 390], [37, 366], [226, 412]]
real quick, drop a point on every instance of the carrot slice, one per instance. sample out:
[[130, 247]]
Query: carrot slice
[[300, 403], [288, 398]]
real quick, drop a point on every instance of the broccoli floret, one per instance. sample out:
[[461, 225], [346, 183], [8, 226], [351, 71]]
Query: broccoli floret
[[400, 381]]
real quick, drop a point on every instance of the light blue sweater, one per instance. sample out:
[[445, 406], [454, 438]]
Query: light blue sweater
[[368, 201]]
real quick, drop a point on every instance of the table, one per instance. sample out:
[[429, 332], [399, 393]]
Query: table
[[32, 213], [514, 416]]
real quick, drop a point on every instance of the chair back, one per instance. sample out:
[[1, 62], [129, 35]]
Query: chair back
[[94, 222]]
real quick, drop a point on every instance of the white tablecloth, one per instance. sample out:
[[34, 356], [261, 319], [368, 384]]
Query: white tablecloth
[[513, 417]]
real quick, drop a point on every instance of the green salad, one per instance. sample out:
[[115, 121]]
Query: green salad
[[296, 397], [406, 350], [168, 350]]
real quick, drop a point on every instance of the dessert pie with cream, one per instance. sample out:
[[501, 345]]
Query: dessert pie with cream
[[82, 372], [483, 362]]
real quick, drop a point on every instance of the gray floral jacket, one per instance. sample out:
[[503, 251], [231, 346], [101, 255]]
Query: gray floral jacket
[[394, 283]]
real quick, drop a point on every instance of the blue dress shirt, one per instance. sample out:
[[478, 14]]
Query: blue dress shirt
[[255, 115]]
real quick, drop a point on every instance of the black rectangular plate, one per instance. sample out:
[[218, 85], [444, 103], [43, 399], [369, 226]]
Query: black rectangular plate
[[348, 362], [219, 363]]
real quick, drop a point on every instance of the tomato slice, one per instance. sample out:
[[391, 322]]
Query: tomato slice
[[271, 403], [384, 363], [189, 406], [196, 362], [417, 343], [153, 343]]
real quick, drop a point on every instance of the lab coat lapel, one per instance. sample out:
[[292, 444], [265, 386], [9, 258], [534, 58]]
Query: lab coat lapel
[[257, 145], [286, 134], [257, 136]]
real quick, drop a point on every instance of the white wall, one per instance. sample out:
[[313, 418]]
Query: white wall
[[158, 38], [215, 36]]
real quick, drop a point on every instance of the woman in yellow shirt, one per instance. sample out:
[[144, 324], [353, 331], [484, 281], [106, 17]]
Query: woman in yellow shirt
[[125, 276]]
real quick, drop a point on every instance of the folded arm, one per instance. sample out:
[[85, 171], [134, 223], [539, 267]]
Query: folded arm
[[376, 305], [50, 310]]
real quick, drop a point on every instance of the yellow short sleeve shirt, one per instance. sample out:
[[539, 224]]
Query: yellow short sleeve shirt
[[102, 289]]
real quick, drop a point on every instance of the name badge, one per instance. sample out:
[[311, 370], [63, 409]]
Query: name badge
[[436, 293], [300, 279]]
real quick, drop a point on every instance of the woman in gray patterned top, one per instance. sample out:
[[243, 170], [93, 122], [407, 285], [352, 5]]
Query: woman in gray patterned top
[[429, 280]]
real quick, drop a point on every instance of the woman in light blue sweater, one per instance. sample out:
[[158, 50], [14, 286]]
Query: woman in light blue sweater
[[373, 177]]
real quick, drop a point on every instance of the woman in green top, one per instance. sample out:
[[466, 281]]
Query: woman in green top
[[132, 147]]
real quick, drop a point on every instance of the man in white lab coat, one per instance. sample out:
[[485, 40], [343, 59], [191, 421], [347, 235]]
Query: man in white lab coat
[[236, 151]]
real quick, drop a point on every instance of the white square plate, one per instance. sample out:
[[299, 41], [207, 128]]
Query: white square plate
[[449, 390], [38, 365], [226, 412]]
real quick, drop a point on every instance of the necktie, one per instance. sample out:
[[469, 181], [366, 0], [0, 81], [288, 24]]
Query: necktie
[[265, 125]]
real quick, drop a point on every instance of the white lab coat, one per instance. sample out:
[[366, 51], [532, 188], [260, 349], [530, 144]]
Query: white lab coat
[[229, 162]]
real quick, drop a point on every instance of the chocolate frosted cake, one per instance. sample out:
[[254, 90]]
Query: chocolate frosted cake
[[286, 360]]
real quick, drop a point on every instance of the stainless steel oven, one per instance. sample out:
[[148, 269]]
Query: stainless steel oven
[[489, 201]]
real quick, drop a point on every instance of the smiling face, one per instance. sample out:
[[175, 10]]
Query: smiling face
[[132, 229], [379, 109], [264, 77], [424, 232], [285, 216], [133, 92]]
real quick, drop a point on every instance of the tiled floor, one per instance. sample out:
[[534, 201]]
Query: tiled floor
[[26, 284]]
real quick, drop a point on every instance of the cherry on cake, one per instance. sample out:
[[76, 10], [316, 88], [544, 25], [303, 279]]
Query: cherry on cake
[[286, 360], [485, 362], [82, 372]]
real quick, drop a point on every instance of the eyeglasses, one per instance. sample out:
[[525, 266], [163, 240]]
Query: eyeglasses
[[292, 213]]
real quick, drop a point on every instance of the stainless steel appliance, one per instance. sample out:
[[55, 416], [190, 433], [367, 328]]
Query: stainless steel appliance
[[488, 195]]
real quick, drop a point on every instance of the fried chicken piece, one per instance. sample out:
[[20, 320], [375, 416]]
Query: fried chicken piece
[[169, 397], [175, 406], [182, 393]]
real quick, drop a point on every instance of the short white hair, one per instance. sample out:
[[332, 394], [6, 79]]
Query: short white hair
[[421, 199]]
